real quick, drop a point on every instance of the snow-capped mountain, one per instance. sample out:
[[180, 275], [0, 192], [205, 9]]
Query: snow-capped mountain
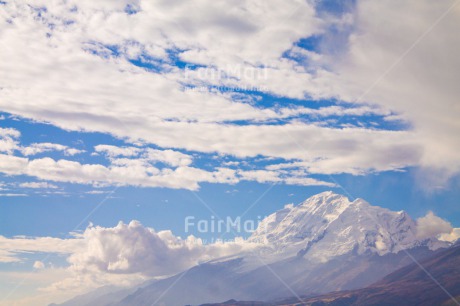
[[329, 225], [324, 244]]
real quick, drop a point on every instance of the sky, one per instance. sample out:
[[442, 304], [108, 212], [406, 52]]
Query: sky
[[120, 119]]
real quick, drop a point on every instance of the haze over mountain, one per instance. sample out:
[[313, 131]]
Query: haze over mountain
[[432, 281], [327, 243]]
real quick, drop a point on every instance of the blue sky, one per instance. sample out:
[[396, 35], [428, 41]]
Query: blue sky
[[154, 111]]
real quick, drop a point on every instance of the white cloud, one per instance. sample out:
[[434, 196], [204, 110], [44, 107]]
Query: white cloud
[[133, 248], [453, 236], [124, 249], [122, 255], [132, 166], [37, 148], [256, 37], [432, 226], [139, 170], [410, 66], [8, 256], [267, 176], [114, 151], [38, 185], [97, 192], [39, 265], [160, 112], [14, 248], [13, 195], [8, 140], [169, 157]]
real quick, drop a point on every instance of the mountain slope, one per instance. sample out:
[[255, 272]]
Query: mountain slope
[[434, 284], [214, 282], [437, 283]]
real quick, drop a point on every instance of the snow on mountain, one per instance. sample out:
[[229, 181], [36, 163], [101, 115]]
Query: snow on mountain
[[329, 225]]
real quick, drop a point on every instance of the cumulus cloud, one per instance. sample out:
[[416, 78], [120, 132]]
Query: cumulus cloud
[[169, 157], [122, 255], [432, 226], [453, 236], [133, 248], [124, 249], [39, 265], [8, 140]]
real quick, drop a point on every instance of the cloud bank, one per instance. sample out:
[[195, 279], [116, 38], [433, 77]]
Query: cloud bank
[[143, 63]]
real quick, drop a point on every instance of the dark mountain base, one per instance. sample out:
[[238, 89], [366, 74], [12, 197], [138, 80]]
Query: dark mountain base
[[433, 281]]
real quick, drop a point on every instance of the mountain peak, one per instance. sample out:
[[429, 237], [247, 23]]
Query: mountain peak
[[328, 224], [326, 197]]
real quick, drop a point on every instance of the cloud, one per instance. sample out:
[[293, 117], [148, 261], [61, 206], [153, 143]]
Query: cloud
[[114, 151], [130, 172], [124, 249], [432, 226], [13, 195], [39, 265], [161, 112], [143, 167], [97, 192], [37, 148], [38, 185], [453, 236], [383, 65], [123, 255], [8, 140], [170, 157], [133, 248], [14, 248], [260, 50], [8, 256]]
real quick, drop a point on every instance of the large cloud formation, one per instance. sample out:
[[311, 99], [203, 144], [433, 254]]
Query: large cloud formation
[[128, 166], [133, 248], [96, 70]]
